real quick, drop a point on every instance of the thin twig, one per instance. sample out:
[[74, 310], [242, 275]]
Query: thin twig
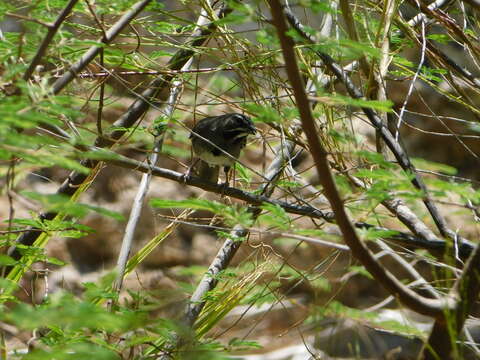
[[27, 18], [379, 74], [91, 53], [419, 280], [413, 81]]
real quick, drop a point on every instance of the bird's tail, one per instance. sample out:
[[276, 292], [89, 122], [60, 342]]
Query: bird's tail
[[207, 172]]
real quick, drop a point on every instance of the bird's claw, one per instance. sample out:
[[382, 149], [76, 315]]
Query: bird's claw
[[187, 176], [224, 186]]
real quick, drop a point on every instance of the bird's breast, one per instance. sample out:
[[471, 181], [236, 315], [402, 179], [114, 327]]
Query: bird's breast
[[216, 160]]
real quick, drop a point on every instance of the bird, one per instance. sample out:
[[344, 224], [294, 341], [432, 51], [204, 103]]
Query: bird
[[218, 141]]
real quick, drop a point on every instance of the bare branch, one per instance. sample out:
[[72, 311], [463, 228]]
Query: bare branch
[[91, 53]]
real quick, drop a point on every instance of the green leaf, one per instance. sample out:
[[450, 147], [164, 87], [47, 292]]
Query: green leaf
[[244, 173], [101, 154], [266, 37], [376, 158], [104, 211], [222, 84], [289, 184], [175, 151], [434, 166], [275, 216], [317, 6], [159, 53], [6, 260], [263, 113], [233, 19], [440, 38], [375, 174], [79, 350], [374, 234], [361, 271], [55, 261], [26, 222], [403, 61], [61, 203], [384, 106], [321, 283], [232, 214], [337, 309], [198, 204], [441, 187], [237, 344]]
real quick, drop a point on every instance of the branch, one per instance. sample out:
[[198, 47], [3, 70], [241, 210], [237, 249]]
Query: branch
[[353, 33], [144, 186], [142, 191], [430, 242], [446, 330], [426, 306], [423, 233], [230, 246], [400, 155], [91, 53], [419, 280], [438, 4], [127, 120], [377, 81], [473, 3], [52, 30]]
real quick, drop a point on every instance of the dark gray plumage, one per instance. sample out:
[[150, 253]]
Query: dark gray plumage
[[225, 134]]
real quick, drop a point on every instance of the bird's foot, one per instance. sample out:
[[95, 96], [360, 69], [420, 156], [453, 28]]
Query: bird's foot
[[190, 172], [188, 175], [224, 186], [226, 169]]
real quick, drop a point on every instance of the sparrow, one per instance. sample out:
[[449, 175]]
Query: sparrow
[[218, 141]]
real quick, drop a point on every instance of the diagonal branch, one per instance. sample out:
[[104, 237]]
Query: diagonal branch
[[52, 30], [400, 155], [91, 53], [426, 306], [418, 227]]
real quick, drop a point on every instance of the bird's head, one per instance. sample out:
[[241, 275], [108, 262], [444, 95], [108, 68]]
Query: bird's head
[[240, 125]]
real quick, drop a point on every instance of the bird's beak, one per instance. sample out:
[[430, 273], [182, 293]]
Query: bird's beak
[[252, 129]]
